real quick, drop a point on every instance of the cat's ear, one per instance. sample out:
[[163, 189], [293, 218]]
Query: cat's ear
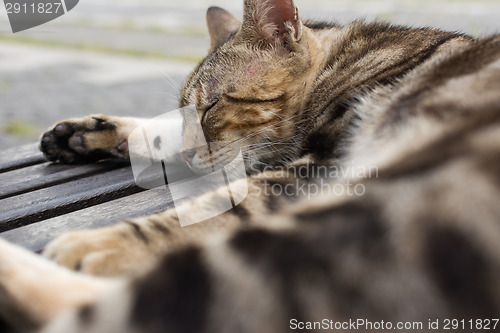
[[221, 24], [271, 22]]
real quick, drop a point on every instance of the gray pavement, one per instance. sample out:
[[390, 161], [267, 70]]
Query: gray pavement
[[130, 57]]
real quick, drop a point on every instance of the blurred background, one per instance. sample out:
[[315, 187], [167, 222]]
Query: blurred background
[[130, 57]]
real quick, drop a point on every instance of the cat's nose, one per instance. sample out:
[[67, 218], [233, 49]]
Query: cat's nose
[[188, 155]]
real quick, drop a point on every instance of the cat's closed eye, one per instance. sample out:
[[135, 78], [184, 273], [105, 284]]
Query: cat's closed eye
[[254, 99], [205, 109]]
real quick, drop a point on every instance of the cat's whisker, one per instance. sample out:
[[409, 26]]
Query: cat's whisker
[[265, 144], [174, 85]]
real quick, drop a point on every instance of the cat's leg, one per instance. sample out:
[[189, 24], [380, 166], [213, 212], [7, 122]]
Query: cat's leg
[[127, 246], [89, 138], [33, 290], [132, 245]]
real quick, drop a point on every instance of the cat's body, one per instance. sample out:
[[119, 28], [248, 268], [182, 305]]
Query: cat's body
[[420, 242]]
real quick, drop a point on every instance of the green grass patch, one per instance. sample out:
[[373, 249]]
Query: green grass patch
[[135, 53], [21, 128], [188, 31], [5, 86]]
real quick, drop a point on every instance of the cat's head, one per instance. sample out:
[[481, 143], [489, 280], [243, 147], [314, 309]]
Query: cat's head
[[250, 88]]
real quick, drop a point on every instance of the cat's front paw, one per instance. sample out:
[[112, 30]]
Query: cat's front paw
[[83, 140], [111, 251]]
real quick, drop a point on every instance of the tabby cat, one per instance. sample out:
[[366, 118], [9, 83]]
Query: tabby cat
[[418, 245]]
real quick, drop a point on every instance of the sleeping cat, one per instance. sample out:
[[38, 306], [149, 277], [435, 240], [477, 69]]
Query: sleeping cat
[[418, 245]]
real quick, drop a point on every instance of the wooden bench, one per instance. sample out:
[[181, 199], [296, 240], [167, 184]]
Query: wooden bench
[[40, 200]]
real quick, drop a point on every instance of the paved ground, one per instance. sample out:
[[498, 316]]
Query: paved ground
[[130, 57]]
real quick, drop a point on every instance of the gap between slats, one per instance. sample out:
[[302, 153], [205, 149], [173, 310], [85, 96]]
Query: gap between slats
[[40, 176], [60, 199], [36, 236]]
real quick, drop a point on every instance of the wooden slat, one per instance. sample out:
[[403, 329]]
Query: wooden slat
[[20, 152], [39, 176], [36, 236], [40, 200], [64, 198], [19, 157]]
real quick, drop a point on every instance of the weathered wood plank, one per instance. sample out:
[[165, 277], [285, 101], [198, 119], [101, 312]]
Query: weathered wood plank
[[20, 152], [35, 236], [39, 176], [19, 157], [43, 200], [60, 199]]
